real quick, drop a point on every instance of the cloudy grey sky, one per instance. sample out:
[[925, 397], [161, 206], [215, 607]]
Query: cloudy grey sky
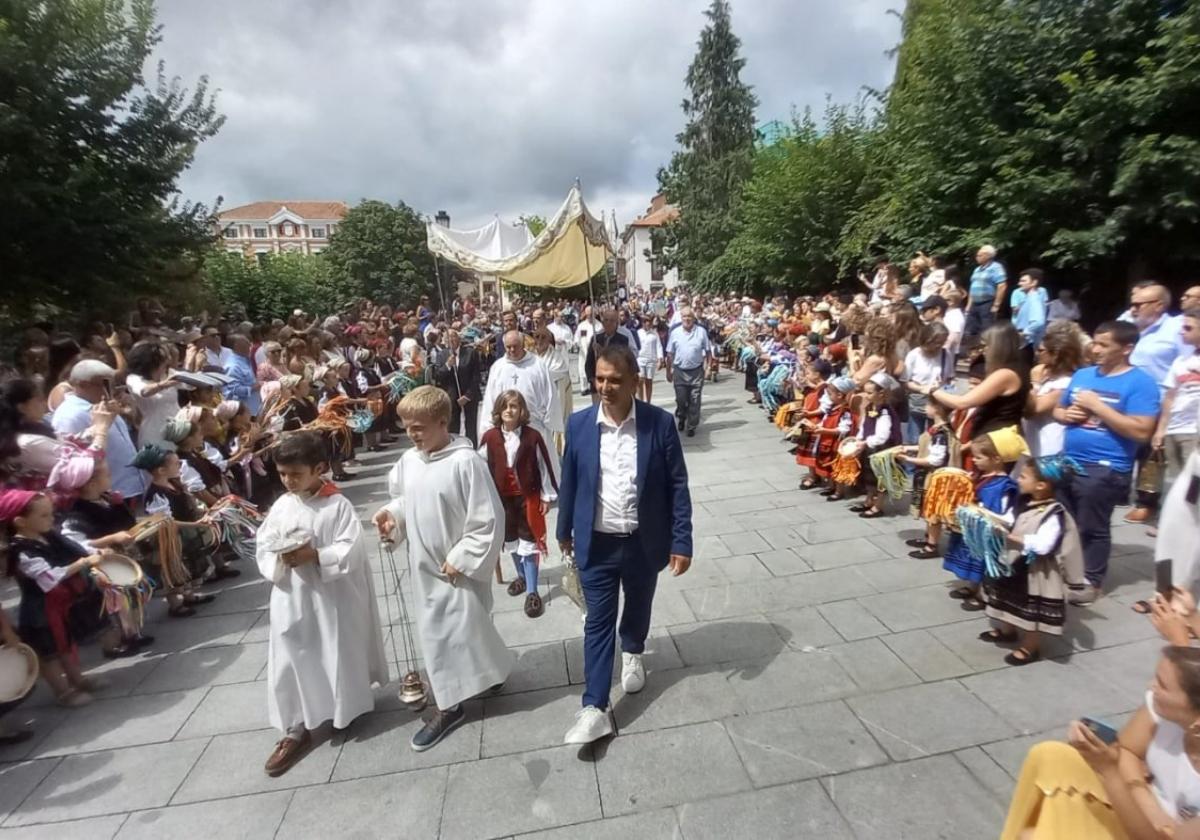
[[484, 107]]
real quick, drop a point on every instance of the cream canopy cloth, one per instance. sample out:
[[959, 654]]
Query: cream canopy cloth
[[568, 252]]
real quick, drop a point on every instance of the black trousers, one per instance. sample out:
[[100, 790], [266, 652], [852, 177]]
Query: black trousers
[[470, 412]]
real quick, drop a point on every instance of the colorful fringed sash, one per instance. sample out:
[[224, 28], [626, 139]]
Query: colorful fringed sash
[[889, 473]]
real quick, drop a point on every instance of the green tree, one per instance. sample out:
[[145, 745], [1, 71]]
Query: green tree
[[275, 285], [1103, 170], [379, 252], [90, 157], [716, 149], [1066, 133], [805, 189], [535, 223], [941, 135]]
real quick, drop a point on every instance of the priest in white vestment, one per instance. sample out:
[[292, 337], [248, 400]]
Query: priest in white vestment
[[545, 348], [325, 647], [446, 509]]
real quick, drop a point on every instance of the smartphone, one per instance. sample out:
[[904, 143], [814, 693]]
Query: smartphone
[[1106, 732], [1163, 581]]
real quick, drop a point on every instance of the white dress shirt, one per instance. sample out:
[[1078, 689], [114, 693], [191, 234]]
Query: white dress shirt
[[616, 497]]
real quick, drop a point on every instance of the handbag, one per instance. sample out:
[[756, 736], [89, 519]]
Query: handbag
[[572, 587]]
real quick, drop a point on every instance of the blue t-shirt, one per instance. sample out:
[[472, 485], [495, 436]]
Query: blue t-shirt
[[1132, 393]]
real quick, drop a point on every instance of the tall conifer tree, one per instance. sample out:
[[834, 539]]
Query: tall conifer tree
[[716, 149]]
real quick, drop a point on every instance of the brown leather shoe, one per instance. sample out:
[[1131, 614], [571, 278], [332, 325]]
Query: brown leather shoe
[[517, 587], [287, 752], [1138, 515]]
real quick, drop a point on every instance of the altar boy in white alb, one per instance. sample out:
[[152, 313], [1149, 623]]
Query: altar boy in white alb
[[326, 644], [445, 506]]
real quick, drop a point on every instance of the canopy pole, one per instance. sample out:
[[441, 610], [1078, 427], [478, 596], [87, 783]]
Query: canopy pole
[[437, 276], [587, 263]]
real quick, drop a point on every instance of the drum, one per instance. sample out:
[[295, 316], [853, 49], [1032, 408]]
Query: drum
[[18, 672], [848, 448]]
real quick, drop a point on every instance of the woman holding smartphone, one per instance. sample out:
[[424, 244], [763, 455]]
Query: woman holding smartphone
[[1144, 785]]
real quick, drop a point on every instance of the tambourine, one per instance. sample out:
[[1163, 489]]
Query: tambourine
[[848, 448], [18, 672], [119, 570], [149, 526]]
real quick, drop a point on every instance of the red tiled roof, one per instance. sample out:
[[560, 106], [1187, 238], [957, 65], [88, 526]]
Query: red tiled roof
[[657, 214], [304, 209], [658, 218]]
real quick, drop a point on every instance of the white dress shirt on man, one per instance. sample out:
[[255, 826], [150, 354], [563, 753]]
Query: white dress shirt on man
[[616, 497]]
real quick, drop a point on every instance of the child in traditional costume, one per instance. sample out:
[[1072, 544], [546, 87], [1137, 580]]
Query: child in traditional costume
[[371, 387], [827, 431], [198, 474], [936, 448], [60, 605], [326, 645], [96, 518], [812, 403], [1046, 553], [198, 542], [520, 465], [994, 491], [446, 506], [878, 429]]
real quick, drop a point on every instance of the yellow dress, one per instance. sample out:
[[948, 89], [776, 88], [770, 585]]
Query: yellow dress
[[1061, 798]]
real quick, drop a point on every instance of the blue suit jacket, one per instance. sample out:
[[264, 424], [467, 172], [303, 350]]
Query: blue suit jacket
[[664, 503]]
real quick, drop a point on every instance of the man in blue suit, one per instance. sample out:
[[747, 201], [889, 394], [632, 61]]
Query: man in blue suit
[[625, 511]]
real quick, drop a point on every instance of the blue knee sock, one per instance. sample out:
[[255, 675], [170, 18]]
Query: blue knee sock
[[531, 572]]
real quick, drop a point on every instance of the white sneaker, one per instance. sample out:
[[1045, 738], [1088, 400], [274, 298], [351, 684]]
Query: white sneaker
[[591, 724], [633, 673]]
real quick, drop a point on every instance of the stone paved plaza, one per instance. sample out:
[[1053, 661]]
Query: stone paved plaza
[[806, 680]]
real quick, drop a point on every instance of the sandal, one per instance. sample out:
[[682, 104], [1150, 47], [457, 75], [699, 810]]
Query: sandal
[[926, 552], [996, 637], [873, 513], [517, 587], [1141, 607], [916, 542], [834, 497], [962, 593], [859, 508], [972, 604], [181, 611], [808, 484], [828, 491], [203, 598], [1014, 659]]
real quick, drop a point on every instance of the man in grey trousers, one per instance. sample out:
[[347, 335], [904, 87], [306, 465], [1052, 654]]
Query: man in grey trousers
[[688, 348]]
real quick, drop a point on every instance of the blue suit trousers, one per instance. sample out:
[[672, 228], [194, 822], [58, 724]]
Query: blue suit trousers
[[615, 563]]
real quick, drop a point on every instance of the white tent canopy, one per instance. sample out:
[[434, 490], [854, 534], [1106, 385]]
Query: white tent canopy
[[568, 252]]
